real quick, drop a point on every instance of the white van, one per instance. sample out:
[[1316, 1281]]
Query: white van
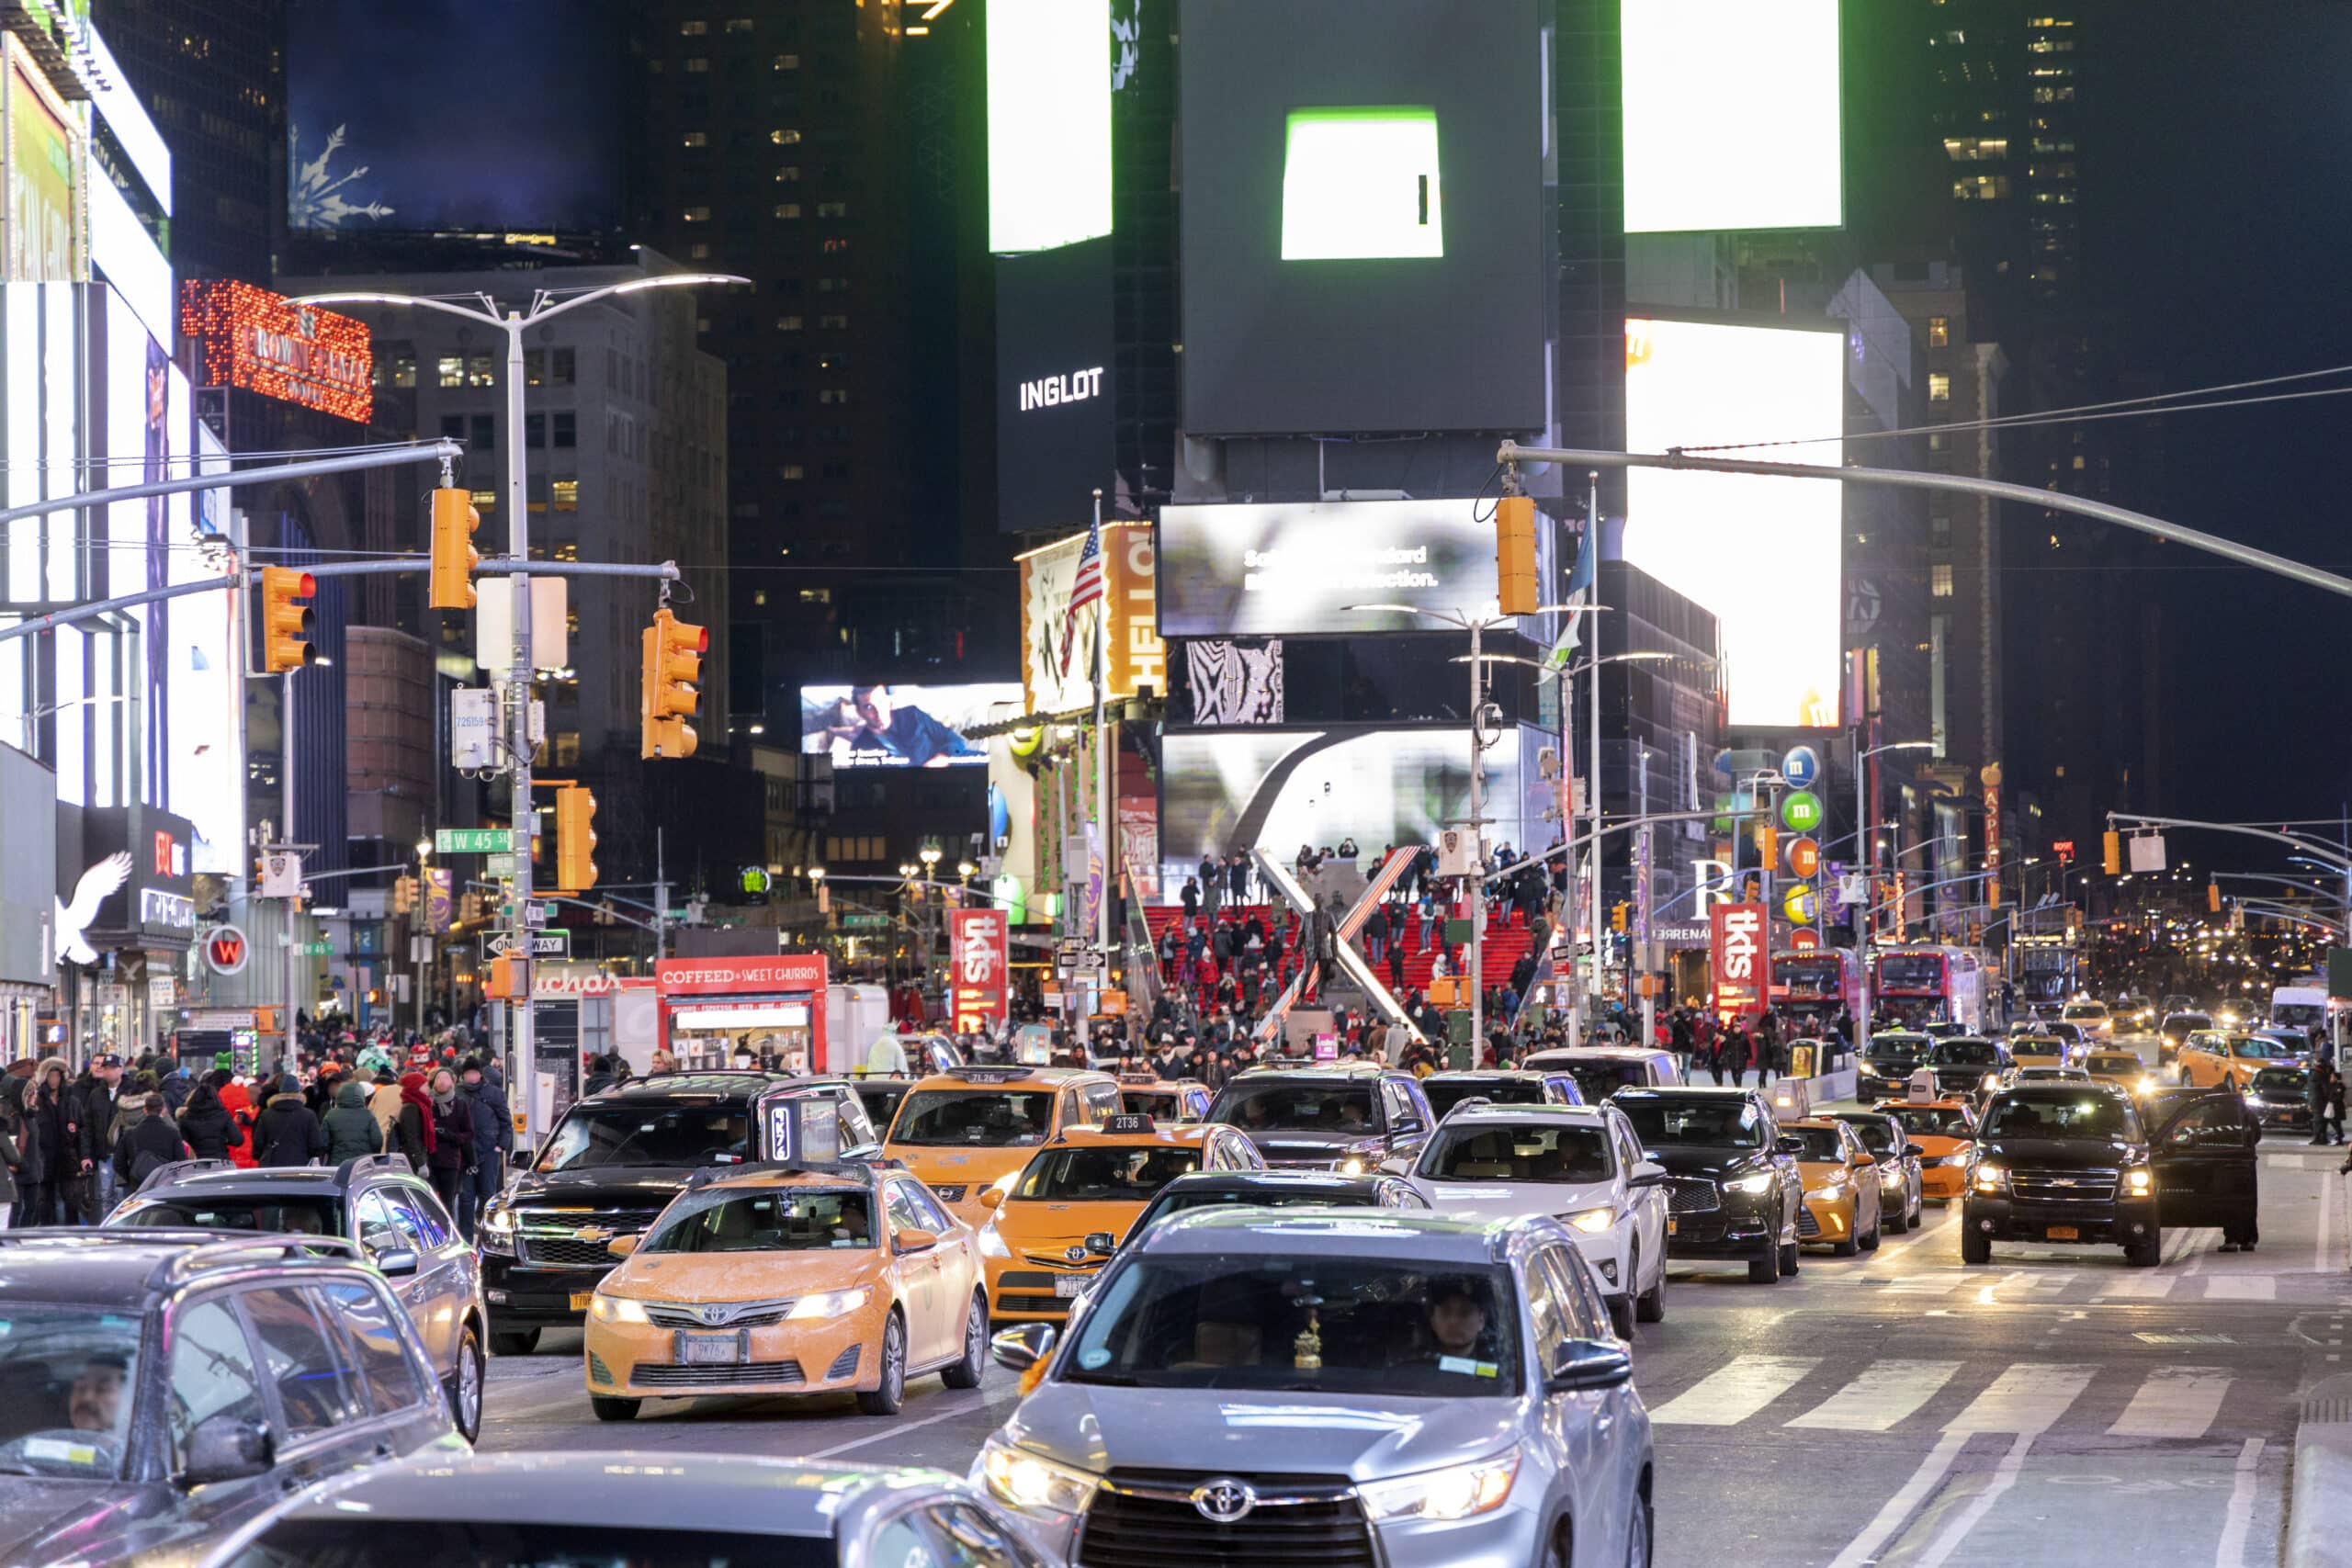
[[1601, 1070], [2300, 1006]]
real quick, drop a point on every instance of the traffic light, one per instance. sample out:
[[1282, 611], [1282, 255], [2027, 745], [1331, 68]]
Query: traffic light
[[2213, 897], [453, 556], [1617, 915], [1768, 843], [285, 624], [500, 984], [1515, 555], [403, 894], [667, 697], [468, 909], [575, 841], [2114, 854]]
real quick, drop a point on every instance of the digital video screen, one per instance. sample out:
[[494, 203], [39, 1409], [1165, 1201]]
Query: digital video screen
[[899, 726], [1295, 567]]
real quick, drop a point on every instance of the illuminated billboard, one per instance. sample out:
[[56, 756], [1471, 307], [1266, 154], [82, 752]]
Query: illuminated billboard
[[1057, 385], [1761, 553], [1293, 568], [883, 725], [1049, 123], [1361, 183], [1057, 652], [1732, 116], [249, 337], [44, 175]]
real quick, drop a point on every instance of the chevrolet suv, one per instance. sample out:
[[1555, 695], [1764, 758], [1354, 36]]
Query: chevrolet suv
[[1733, 1189], [1351, 1119]]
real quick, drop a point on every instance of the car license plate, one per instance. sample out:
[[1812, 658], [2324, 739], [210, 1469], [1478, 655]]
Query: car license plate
[[2062, 1233], [1670, 1226], [709, 1349], [579, 1299], [1069, 1287]]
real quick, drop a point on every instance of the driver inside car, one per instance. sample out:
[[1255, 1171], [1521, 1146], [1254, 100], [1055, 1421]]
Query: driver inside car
[[1456, 1321], [94, 1402]]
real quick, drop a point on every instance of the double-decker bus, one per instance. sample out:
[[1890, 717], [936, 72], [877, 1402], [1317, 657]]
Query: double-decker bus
[[2045, 965], [1815, 985], [1925, 984]]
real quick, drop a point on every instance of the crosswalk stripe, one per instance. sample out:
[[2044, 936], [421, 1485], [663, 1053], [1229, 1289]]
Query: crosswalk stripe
[[2149, 1287], [1885, 1394], [2174, 1401], [2241, 1288], [1735, 1392], [2026, 1397]]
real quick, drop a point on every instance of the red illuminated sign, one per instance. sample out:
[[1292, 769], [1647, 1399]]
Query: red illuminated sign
[[1739, 959], [978, 951], [264, 343], [724, 977]]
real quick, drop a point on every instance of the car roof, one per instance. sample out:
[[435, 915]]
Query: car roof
[[1191, 1134], [847, 1176], [1153, 1080], [1489, 1075], [1596, 1054], [1446, 1240], [1011, 1076], [696, 1084], [1322, 1070], [223, 1178], [1686, 1091], [123, 1264], [1474, 1111], [1894, 1105], [2045, 1088]]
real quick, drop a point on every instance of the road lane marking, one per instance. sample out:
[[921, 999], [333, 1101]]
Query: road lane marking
[[2148, 1286], [2174, 1401], [1734, 1391], [2004, 1476], [2326, 1202], [1885, 1394], [2241, 1287], [2238, 1523], [898, 1428], [2029, 1396], [1864, 1548]]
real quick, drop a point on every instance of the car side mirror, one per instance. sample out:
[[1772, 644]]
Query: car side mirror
[[1649, 1173], [915, 1241], [396, 1263], [1786, 1145], [225, 1447], [991, 1197], [1411, 1125], [1583, 1365], [623, 1246], [1022, 1346], [1915, 1151], [1102, 1243], [1864, 1162]]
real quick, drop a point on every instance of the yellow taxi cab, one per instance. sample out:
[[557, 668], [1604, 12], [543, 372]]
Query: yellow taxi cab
[[2122, 1068], [967, 1128], [1841, 1186], [1946, 1131], [2215, 1058], [2042, 1051], [1164, 1099], [1054, 1228], [789, 1278]]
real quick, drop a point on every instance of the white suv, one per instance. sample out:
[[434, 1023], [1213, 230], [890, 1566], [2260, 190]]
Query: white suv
[[1579, 1163]]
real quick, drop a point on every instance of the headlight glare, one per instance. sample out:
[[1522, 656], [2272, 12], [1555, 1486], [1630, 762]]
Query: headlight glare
[[615, 1309], [832, 1303], [1592, 1222], [1759, 1181], [993, 1242], [1457, 1491], [1990, 1178], [2140, 1183], [498, 1220], [1026, 1480]]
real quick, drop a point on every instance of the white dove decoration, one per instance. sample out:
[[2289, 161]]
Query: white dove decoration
[[74, 919]]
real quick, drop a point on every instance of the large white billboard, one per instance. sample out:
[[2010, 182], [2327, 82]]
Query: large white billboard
[[1277, 569], [1761, 553], [1731, 115]]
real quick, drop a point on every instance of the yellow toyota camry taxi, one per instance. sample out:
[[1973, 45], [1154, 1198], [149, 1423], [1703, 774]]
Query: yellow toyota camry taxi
[[2214, 1059], [1945, 1130], [2042, 1051], [967, 1128], [775, 1278], [1054, 1228], [2122, 1068], [1842, 1202], [1164, 1099]]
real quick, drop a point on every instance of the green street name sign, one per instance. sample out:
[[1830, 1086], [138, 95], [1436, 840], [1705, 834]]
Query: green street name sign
[[473, 841]]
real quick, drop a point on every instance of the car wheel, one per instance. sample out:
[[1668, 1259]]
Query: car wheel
[[965, 1373], [1764, 1271], [1788, 1260], [891, 1392], [1897, 1222], [1975, 1246], [1650, 1305], [514, 1341], [1560, 1552], [1637, 1534], [1851, 1242], [1869, 1243], [1620, 1316], [2146, 1253], [608, 1409], [465, 1386]]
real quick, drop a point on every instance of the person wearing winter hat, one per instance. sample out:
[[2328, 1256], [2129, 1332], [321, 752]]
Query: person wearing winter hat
[[352, 1129], [287, 1132], [414, 1128]]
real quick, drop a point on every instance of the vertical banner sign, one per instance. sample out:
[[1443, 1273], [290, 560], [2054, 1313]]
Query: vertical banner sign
[[440, 900], [1990, 777], [977, 950], [1739, 958]]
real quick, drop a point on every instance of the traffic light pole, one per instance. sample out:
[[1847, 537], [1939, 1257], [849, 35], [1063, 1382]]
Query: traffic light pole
[[522, 1058]]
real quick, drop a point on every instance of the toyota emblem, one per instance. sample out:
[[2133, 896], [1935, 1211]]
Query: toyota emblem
[[1223, 1501], [714, 1315], [1075, 1254]]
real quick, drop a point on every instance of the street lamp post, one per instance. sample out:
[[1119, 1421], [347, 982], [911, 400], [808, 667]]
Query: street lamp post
[[417, 950], [1868, 842]]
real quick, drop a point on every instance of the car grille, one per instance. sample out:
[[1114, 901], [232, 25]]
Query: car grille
[[1057, 1305], [547, 1238], [661, 1374], [597, 1370], [1146, 1519], [2063, 1186], [1806, 1224], [1056, 1261], [746, 1314], [1691, 1195], [950, 1191], [845, 1365], [1962, 1079]]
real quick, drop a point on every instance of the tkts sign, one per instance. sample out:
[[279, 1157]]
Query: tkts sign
[[1739, 957], [979, 957]]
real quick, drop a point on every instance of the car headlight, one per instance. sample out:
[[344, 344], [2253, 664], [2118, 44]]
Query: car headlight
[[496, 1219], [1028, 1481], [616, 1308], [1990, 1178], [1992, 1080], [1351, 1166], [1833, 1187], [2139, 1183], [1592, 1222], [1759, 1182], [1457, 1491], [832, 1303], [991, 1243]]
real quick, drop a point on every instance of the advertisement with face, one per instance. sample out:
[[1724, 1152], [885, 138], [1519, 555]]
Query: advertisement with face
[[882, 726], [1294, 567]]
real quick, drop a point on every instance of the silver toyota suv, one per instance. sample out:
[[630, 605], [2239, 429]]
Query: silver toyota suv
[[1356, 1387]]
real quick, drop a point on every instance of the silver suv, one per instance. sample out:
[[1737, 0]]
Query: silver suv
[[1359, 1386]]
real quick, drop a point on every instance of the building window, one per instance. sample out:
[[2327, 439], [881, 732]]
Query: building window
[[759, 597], [785, 62], [832, 324], [1981, 187], [534, 429], [398, 368], [789, 471], [567, 428], [451, 368], [739, 24], [695, 139], [534, 366], [698, 214], [480, 371], [787, 210], [1938, 331], [834, 470], [481, 434], [788, 324], [693, 29], [816, 596], [833, 395], [698, 250], [698, 66], [785, 138], [485, 501], [560, 368], [567, 748], [788, 175], [833, 286], [1940, 579], [1939, 386], [453, 427], [832, 209], [567, 495]]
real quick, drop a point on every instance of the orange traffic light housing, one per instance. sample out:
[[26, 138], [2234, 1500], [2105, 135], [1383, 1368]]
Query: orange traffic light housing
[[669, 695], [1515, 555], [403, 894], [455, 520], [2213, 897], [2114, 853], [502, 983], [286, 625], [575, 841]]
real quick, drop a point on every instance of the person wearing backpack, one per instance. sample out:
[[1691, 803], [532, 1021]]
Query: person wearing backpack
[[148, 1143]]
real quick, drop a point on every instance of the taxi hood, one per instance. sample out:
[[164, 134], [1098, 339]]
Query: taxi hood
[[1361, 1436]]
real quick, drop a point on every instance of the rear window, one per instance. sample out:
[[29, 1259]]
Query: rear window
[[1105, 1175], [983, 1118], [2115, 1063], [304, 1215], [1967, 1054], [1934, 1121], [1301, 1106], [1444, 1097], [2085, 1009], [1875, 1135], [2280, 1080], [1820, 1142], [1567, 1154]]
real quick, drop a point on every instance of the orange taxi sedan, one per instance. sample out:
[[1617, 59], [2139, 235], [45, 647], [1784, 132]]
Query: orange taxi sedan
[[1054, 1227], [969, 1128], [1841, 1186], [789, 1279], [1946, 1131]]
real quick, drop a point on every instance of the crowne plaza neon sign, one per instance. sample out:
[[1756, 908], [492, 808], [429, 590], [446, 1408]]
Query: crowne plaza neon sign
[[264, 343]]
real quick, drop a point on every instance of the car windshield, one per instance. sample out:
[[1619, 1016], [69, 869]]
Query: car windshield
[[2037, 1045], [1444, 1095], [2116, 1064], [1596, 1081], [1302, 1323], [2297, 1015], [360, 1542], [1875, 1135], [1555, 1153], [1107, 1175], [988, 1118], [1934, 1121], [1967, 1054], [799, 1219], [319, 1214], [2258, 1046], [1820, 1144], [655, 1133], [1701, 1124], [1898, 1047], [70, 1373], [2085, 1009], [2181, 1023], [881, 1104], [1922, 971], [1295, 1105], [2281, 1080], [2098, 1115], [1162, 1104]]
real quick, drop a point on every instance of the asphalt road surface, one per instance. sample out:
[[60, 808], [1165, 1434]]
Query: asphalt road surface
[[1899, 1408]]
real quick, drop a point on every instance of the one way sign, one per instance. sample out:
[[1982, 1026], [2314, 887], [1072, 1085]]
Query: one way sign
[[543, 945]]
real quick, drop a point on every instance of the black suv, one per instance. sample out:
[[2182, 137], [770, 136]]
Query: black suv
[[2082, 1164], [165, 1387], [611, 1166], [1351, 1118], [1963, 1063], [1884, 1070], [1733, 1189], [377, 1202]]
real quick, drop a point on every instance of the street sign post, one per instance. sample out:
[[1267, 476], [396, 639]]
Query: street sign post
[[473, 841]]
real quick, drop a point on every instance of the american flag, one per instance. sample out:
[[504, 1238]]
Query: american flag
[[1086, 588]]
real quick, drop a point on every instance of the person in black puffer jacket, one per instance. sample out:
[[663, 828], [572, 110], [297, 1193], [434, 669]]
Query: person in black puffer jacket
[[207, 1126], [287, 1133]]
